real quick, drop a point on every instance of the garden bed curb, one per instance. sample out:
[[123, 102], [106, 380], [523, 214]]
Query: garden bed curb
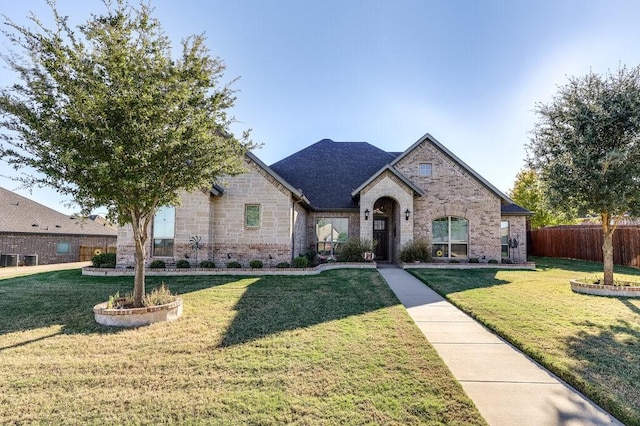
[[136, 317], [123, 272], [443, 265], [605, 290]]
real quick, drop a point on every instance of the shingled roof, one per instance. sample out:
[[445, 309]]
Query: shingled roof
[[327, 171], [22, 215]]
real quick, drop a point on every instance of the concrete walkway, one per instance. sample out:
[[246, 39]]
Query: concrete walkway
[[17, 271], [507, 387]]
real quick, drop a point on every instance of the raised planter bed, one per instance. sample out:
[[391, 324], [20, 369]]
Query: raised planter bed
[[135, 317], [605, 290]]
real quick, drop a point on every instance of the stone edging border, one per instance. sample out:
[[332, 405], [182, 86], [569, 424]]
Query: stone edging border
[[120, 272], [604, 290], [526, 265]]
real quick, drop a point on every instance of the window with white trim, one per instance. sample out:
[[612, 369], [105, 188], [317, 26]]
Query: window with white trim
[[425, 169], [450, 237]]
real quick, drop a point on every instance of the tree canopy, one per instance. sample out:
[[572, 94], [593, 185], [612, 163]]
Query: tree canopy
[[106, 114], [529, 193], [586, 149]]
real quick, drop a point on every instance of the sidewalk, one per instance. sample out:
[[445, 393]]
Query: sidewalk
[[507, 387], [17, 271]]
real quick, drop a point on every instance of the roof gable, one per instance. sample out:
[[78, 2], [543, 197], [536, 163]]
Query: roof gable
[[428, 138], [416, 191]]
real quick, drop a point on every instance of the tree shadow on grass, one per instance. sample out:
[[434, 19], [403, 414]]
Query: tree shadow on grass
[[609, 365], [276, 304], [447, 281], [66, 299], [581, 266]]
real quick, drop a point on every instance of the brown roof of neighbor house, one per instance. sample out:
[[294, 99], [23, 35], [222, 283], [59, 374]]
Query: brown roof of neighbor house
[[19, 214]]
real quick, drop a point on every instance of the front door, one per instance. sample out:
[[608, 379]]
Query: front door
[[381, 237]]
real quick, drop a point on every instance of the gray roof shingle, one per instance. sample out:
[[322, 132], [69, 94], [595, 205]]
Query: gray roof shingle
[[327, 171], [19, 214]]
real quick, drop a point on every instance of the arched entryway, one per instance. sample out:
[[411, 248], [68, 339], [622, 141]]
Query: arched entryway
[[385, 229]]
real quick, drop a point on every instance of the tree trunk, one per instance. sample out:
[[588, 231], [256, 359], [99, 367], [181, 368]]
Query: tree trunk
[[140, 225], [607, 248]]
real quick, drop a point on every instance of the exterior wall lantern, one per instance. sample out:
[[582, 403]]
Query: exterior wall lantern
[[366, 214], [407, 212]]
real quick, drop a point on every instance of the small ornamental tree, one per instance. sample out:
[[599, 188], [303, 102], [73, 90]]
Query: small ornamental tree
[[586, 149], [106, 114]]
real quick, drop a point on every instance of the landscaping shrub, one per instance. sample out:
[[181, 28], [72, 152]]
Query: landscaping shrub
[[353, 249], [312, 258], [157, 264], [474, 260], [183, 264], [507, 261], [207, 264], [234, 265], [104, 260], [492, 261], [256, 264], [283, 265], [418, 250], [454, 261], [300, 262], [159, 296]]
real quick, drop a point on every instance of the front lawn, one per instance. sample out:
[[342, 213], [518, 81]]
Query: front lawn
[[592, 342], [336, 348]]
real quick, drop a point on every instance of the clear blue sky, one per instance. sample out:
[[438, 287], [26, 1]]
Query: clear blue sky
[[387, 72]]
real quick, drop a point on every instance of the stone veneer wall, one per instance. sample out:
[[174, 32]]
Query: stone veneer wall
[[518, 228], [388, 185], [312, 219], [193, 217], [451, 191], [300, 239], [272, 241]]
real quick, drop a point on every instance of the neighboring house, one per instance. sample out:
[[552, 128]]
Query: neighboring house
[[31, 233], [330, 191]]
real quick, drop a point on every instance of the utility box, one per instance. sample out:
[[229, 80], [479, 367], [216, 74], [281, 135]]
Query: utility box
[[30, 260]]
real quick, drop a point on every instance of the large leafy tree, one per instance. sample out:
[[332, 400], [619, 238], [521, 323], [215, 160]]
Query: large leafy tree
[[529, 193], [586, 148], [106, 114]]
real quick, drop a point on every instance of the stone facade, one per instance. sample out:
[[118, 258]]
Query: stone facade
[[286, 224], [401, 230]]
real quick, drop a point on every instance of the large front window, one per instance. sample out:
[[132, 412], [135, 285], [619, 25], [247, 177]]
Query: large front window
[[450, 237], [164, 231], [330, 234]]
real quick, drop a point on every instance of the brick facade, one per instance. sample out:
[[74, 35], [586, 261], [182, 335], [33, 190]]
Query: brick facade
[[45, 245]]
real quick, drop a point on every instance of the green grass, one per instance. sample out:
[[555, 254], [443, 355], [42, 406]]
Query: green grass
[[336, 348], [592, 342]]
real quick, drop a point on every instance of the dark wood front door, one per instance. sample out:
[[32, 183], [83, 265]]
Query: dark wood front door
[[381, 236]]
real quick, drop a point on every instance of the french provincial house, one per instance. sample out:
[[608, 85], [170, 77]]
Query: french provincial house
[[317, 198]]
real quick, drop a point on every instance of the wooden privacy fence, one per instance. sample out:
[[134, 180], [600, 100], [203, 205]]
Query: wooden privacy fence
[[585, 242], [86, 252]]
